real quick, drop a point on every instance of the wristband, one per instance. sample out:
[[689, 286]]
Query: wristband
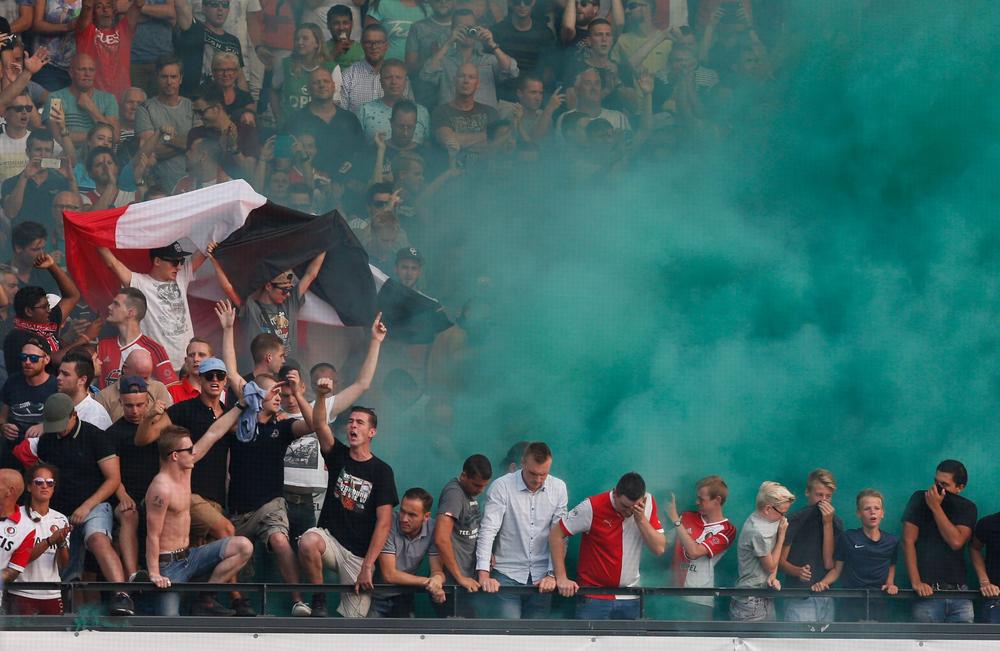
[[241, 405]]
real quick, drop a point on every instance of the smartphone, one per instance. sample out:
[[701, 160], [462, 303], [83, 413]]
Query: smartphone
[[940, 488], [56, 103], [51, 163]]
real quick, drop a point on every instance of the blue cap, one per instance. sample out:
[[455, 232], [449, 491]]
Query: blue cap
[[211, 364]]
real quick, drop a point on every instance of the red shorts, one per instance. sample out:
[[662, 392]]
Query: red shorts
[[28, 606]]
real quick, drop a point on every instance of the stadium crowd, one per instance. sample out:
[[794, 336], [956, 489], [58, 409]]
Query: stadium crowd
[[135, 448]]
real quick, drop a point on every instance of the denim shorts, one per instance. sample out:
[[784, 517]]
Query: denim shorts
[[99, 520], [199, 562]]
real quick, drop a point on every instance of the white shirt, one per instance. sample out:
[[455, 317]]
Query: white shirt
[[168, 319], [93, 412], [519, 522], [43, 569], [13, 155], [17, 537]]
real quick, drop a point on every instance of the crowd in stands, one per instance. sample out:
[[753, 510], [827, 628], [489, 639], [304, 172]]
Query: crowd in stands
[[137, 449]]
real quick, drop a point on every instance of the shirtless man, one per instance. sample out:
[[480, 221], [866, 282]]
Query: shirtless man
[[168, 517]]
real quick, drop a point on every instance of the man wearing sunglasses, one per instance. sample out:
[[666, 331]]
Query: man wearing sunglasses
[[196, 42], [13, 140], [274, 308], [575, 25], [758, 549], [165, 288], [170, 558], [90, 475], [51, 551], [642, 45], [23, 397]]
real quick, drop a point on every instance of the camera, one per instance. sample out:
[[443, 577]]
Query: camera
[[940, 487], [472, 32]]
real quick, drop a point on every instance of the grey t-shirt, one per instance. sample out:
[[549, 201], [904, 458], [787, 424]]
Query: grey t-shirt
[[409, 552], [279, 320], [465, 510], [756, 539], [154, 114]]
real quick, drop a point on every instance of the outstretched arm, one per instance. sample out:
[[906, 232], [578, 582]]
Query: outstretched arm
[[349, 395], [312, 271], [221, 276], [324, 387], [124, 273], [227, 318], [218, 429]]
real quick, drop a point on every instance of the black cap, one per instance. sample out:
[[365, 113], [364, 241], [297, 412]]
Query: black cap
[[132, 384], [169, 252], [409, 253], [38, 342]]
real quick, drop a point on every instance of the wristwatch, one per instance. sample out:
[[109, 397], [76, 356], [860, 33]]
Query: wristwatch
[[677, 523]]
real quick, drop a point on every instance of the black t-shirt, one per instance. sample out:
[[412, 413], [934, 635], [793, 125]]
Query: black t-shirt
[[936, 561], [805, 540], [37, 204], [257, 468], [345, 136], [190, 46], [530, 49], [15, 339], [988, 532], [76, 456], [138, 464], [208, 479], [24, 401], [355, 491]]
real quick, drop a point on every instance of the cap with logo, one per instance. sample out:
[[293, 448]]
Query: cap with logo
[[409, 253], [170, 252]]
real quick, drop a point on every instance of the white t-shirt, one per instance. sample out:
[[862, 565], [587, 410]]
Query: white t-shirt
[[168, 319], [91, 411], [304, 464], [44, 568], [13, 155]]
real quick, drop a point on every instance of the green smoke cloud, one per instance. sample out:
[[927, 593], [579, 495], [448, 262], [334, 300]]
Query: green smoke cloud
[[819, 289]]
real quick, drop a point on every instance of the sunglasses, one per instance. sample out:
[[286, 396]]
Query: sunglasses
[[217, 5], [41, 481], [24, 357], [175, 263], [214, 376], [42, 306], [189, 450], [284, 289], [20, 109]]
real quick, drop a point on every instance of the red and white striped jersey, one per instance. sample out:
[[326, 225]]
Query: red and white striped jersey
[[611, 545], [17, 537]]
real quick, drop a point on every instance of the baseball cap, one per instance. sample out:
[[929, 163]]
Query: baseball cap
[[409, 253], [211, 364], [38, 342], [132, 384], [56, 412], [169, 252]]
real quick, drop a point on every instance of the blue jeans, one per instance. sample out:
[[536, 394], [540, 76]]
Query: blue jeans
[[935, 611], [520, 606], [199, 563], [588, 608], [809, 609], [991, 611]]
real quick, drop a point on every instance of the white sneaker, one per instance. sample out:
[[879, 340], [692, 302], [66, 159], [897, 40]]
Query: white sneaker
[[301, 609]]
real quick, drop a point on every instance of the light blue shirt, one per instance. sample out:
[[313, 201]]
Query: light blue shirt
[[519, 522]]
